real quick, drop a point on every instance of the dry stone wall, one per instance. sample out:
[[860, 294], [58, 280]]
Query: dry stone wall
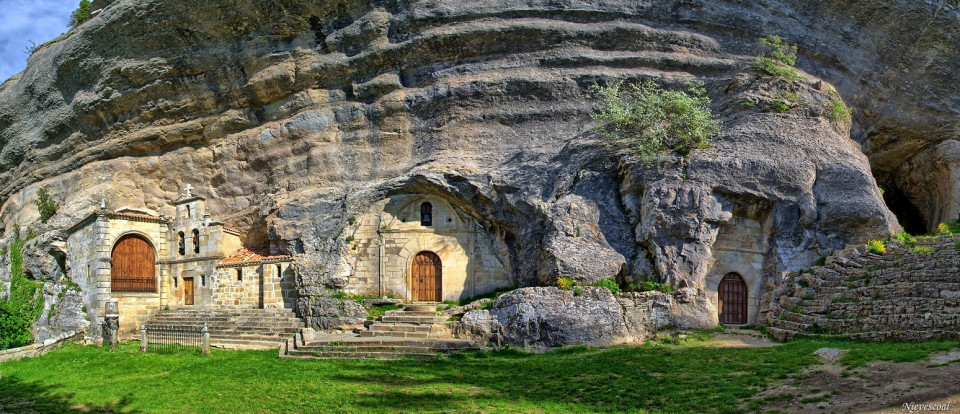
[[903, 294]]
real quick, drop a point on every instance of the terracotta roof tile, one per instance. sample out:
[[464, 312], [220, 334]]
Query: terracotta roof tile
[[251, 255]]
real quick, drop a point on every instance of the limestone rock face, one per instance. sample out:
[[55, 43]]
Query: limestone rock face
[[541, 318], [574, 245], [330, 314], [291, 116]]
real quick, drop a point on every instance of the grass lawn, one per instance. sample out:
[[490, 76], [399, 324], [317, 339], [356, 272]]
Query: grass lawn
[[652, 378]]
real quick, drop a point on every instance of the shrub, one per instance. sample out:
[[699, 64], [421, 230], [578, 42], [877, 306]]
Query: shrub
[[923, 249], [822, 260], [349, 239], [24, 305], [565, 283], [905, 239], [648, 286], [778, 58], [779, 106], [45, 205], [81, 14], [957, 245], [611, 285], [944, 229], [577, 292], [839, 112], [876, 247], [655, 120], [352, 219]]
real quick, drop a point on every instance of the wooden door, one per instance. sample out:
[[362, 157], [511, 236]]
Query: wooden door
[[426, 277], [733, 300], [188, 291], [133, 266]]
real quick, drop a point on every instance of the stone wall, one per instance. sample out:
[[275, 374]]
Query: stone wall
[[908, 293], [260, 286], [740, 248], [384, 243]]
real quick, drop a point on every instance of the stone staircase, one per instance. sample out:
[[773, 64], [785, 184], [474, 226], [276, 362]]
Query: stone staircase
[[416, 331], [903, 294], [234, 328]]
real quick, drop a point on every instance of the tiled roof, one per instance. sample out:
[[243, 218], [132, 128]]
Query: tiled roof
[[251, 255]]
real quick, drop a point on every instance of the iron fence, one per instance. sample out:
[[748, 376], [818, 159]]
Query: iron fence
[[132, 284], [165, 339]]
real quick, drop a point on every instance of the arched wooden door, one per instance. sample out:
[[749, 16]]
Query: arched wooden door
[[733, 299], [132, 266], [426, 277]]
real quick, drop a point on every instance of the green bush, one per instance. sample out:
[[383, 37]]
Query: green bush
[[778, 58], [656, 121], [81, 14], [822, 260], [923, 249], [565, 283], [611, 285], [24, 306], [905, 239], [45, 205], [876, 247], [839, 112], [649, 286], [779, 106]]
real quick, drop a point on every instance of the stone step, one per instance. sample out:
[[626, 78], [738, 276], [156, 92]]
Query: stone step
[[363, 348], [413, 319], [361, 355], [400, 327], [367, 334]]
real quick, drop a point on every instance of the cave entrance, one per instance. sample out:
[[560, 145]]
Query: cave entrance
[[907, 214]]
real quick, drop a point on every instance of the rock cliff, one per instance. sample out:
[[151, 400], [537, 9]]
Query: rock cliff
[[292, 116]]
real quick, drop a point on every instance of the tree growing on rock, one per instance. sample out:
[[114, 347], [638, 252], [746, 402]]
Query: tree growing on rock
[[45, 205], [81, 14], [655, 120]]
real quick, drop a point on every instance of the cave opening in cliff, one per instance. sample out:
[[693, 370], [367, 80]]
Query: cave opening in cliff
[[907, 214]]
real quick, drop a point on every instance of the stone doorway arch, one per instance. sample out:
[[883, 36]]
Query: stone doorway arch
[[426, 277]]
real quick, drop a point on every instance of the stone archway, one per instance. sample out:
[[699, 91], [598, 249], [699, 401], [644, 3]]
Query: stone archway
[[426, 278], [732, 262]]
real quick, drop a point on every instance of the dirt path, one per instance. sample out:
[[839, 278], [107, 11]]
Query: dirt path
[[878, 387]]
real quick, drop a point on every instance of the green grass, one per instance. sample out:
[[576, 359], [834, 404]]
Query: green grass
[[650, 378]]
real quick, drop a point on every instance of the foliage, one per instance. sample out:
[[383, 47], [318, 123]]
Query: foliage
[[648, 286], [876, 247], [957, 245], [45, 205], [656, 121], [779, 106], [566, 283], [658, 377], [923, 249], [905, 239], [349, 239], [577, 291], [81, 14], [376, 311], [352, 220], [777, 59], [838, 111], [822, 260], [611, 285], [24, 306], [489, 295]]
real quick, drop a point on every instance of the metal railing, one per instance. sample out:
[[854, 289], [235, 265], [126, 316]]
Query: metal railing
[[131, 284], [164, 339]]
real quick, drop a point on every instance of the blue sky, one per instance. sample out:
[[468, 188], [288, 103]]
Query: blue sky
[[25, 20]]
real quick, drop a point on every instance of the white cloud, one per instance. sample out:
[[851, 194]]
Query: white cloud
[[24, 20]]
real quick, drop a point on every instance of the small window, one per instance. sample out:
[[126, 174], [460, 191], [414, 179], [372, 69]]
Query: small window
[[175, 282], [239, 274], [182, 244], [279, 271], [203, 280], [188, 211], [196, 241], [426, 214]]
